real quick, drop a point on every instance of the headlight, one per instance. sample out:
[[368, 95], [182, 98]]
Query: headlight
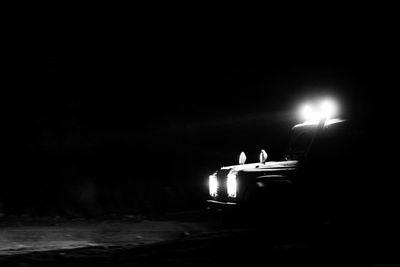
[[232, 185], [213, 185]]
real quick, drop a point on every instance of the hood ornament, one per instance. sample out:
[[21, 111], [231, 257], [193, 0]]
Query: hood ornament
[[263, 156]]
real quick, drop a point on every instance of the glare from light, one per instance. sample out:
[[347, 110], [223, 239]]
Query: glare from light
[[213, 185], [314, 113], [308, 113], [232, 185], [327, 109]]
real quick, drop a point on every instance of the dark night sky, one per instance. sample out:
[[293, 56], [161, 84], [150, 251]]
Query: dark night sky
[[163, 79], [187, 97]]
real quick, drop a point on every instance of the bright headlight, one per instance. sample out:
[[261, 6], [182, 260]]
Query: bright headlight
[[213, 185], [232, 185]]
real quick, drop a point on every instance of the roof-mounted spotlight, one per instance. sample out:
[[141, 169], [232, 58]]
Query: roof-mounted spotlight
[[307, 113], [316, 112], [328, 109]]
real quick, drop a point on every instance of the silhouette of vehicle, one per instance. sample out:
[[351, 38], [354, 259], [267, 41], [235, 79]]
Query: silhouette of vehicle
[[317, 180]]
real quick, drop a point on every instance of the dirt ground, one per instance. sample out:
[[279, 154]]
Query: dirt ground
[[178, 240], [55, 234]]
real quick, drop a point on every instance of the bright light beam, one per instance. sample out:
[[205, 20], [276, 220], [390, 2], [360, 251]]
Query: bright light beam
[[325, 110], [307, 113], [328, 109], [232, 185], [213, 185]]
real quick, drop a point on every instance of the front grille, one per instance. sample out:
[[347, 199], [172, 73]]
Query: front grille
[[222, 187], [222, 184]]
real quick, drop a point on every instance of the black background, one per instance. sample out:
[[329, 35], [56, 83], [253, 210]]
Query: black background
[[132, 113]]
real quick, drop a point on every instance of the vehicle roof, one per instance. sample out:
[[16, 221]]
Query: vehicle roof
[[315, 124]]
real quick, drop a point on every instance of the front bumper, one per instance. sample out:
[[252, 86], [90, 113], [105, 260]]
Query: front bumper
[[214, 204]]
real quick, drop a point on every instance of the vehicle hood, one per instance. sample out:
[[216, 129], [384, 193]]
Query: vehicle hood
[[262, 167]]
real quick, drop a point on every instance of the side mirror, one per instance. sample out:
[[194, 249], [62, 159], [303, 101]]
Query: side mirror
[[242, 158], [263, 156]]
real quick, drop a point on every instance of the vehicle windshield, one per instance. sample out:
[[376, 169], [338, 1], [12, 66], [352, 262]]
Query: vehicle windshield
[[300, 141], [302, 137]]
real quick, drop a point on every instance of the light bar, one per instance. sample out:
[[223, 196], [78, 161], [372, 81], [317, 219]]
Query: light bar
[[323, 110]]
